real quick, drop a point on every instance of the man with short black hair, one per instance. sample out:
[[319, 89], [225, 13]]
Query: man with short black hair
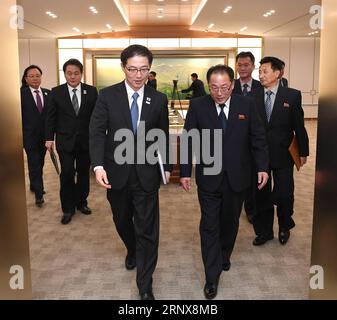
[[221, 195], [197, 87], [132, 188], [67, 120], [283, 117]]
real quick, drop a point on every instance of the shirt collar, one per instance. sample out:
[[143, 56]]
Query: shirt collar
[[227, 103], [273, 89], [131, 91], [32, 89], [70, 88], [250, 83]]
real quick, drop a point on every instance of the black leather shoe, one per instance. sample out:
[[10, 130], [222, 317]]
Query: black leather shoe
[[66, 218], [147, 296], [283, 236], [226, 266], [261, 239], [210, 290], [130, 262], [39, 202], [84, 209]]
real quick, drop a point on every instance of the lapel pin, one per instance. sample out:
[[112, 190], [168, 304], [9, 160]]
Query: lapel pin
[[84, 91], [148, 100], [46, 93], [286, 105], [242, 117]]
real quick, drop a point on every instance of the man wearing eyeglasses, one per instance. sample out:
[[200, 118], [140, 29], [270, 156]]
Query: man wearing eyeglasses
[[132, 187], [33, 102], [68, 115], [221, 195]]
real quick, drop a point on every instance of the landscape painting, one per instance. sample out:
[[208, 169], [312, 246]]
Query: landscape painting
[[108, 71]]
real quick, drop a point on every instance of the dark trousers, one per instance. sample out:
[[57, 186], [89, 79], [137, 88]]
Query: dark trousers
[[136, 216], [250, 197], [219, 225], [281, 195], [74, 193], [35, 159]]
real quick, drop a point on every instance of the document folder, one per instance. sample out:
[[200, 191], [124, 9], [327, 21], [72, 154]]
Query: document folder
[[293, 149], [54, 160]]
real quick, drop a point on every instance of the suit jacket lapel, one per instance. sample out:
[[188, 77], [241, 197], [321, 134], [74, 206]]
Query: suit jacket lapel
[[213, 114], [124, 104], [67, 99], [147, 104], [232, 115], [84, 95], [277, 104]]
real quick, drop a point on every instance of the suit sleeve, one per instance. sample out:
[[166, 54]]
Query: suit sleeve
[[97, 130], [190, 123], [51, 117], [298, 125], [258, 140], [164, 125]]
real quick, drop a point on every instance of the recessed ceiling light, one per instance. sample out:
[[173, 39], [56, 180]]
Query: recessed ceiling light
[[108, 26], [50, 14], [76, 29], [227, 9], [244, 28], [160, 9], [160, 17], [211, 25], [269, 13], [160, 0]]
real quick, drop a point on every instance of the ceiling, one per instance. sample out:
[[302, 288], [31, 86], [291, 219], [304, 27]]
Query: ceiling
[[291, 18]]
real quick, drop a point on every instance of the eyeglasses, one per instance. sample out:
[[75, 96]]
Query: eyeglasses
[[38, 76], [222, 89], [135, 70]]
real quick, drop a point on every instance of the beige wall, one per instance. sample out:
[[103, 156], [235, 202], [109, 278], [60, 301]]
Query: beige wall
[[301, 56], [15, 280]]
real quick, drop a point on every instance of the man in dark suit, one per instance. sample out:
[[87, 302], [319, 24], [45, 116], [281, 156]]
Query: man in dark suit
[[282, 114], [132, 187], [33, 102], [152, 81], [245, 64], [246, 86], [197, 87], [68, 115], [221, 195]]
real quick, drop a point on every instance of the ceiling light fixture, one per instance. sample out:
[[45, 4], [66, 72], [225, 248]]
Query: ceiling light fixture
[[76, 29], [227, 9], [50, 14], [93, 10], [269, 13], [210, 26], [108, 26], [244, 28]]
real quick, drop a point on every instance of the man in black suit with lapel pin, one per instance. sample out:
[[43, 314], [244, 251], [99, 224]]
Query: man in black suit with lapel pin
[[33, 105], [221, 195], [132, 188], [68, 116], [246, 86], [283, 116]]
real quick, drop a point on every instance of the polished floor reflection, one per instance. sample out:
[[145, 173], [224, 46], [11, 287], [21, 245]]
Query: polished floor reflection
[[85, 259]]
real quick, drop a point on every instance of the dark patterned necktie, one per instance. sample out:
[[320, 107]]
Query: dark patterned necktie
[[74, 101], [222, 117], [268, 104], [245, 89], [134, 112], [38, 101]]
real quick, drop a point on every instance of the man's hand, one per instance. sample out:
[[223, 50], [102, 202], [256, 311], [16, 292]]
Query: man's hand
[[167, 175], [262, 179], [303, 161], [102, 179], [186, 183], [49, 145]]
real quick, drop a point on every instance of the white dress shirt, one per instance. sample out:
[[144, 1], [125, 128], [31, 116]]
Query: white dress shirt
[[140, 98], [225, 109]]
